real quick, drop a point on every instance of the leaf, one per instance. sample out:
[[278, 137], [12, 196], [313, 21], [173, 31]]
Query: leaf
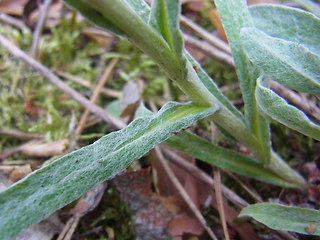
[[164, 18], [66, 179], [289, 23], [278, 109], [280, 217], [93, 16], [224, 158], [286, 62], [235, 16], [233, 20]]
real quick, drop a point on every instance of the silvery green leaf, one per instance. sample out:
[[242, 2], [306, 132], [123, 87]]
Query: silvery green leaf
[[288, 23], [286, 62], [287, 218], [279, 110], [66, 179]]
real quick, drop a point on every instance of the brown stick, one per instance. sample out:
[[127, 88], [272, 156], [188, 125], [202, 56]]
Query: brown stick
[[95, 94], [21, 135], [12, 21], [38, 30], [213, 40], [209, 50], [217, 190]]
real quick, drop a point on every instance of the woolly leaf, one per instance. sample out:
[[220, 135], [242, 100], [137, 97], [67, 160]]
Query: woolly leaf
[[66, 179], [286, 62], [280, 217]]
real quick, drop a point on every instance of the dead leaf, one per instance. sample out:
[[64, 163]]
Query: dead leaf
[[86, 203], [20, 172], [98, 35], [310, 228], [149, 215], [244, 229], [33, 110], [45, 230], [183, 224], [202, 195], [130, 101], [12, 7], [314, 193], [4, 182], [53, 18], [174, 202], [40, 149]]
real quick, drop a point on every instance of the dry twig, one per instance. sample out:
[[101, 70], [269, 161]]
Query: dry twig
[[38, 30], [217, 189], [209, 50], [21, 135], [209, 37], [11, 20]]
